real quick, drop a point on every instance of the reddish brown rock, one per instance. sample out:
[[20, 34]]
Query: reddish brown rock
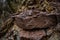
[[38, 34], [34, 19]]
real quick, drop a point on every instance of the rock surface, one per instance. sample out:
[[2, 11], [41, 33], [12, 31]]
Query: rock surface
[[34, 19]]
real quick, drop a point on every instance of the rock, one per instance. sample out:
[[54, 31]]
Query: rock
[[57, 28], [38, 34], [33, 19]]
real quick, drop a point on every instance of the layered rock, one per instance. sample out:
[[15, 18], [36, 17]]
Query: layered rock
[[34, 24]]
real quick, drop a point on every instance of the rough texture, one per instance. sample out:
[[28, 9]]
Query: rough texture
[[38, 34], [34, 19]]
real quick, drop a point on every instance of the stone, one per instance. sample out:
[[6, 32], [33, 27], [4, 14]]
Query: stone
[[31, 19]]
